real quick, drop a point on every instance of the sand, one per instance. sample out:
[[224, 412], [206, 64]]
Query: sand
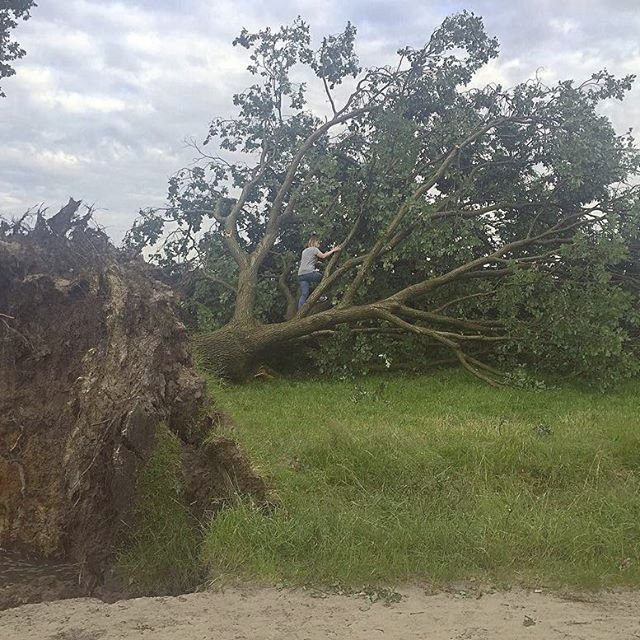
[[252, 613]]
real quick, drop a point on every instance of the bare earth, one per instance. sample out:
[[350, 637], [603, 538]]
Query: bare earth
[[252, 613]]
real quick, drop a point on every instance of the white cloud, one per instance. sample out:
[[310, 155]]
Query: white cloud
[[36, 78], [505, 73], [109, 89], [59, 159], [562, 25], [109, 14], [79, 103]]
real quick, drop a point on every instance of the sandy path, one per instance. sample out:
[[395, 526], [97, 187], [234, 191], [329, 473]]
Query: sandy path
[[257, 614]]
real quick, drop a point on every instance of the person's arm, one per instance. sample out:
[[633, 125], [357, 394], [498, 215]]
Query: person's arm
[[323, 256]]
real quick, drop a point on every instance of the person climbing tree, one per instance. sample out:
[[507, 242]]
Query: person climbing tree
[[308, 271]]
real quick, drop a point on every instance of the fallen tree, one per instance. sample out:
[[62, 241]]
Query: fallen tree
[[92, 362], [473, 219]]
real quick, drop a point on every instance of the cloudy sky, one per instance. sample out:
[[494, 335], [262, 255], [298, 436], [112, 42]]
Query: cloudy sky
[[109, 91]]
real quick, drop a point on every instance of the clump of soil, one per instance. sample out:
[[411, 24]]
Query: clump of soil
[[92, 359]]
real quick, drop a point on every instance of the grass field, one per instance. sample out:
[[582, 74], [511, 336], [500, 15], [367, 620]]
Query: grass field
[[441, 478]]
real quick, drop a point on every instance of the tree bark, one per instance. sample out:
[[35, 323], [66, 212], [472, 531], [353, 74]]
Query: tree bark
[[235, 350], [245, 296], [232, 351]]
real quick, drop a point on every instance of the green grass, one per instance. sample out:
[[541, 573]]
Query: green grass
[[160, 554], [435, 478]]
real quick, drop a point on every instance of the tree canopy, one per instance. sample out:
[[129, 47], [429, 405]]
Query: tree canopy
[[10, 12], [483, 222]]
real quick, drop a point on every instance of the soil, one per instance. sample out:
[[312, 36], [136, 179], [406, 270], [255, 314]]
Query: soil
[[267, 613], [92, 359]]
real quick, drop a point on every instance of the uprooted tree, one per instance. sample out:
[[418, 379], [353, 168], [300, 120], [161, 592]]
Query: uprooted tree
[[480, 221]]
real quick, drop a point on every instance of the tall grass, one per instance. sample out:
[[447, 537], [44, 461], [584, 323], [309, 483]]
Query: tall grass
[[160, 554], [434, 478]]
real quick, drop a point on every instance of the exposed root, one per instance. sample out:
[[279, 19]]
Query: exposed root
[[93, 360]]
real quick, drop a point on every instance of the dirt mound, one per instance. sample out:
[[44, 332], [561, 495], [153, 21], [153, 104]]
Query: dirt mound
[[92, 359]]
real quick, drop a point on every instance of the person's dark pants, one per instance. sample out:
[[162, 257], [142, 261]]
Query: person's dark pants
[[305, 281]]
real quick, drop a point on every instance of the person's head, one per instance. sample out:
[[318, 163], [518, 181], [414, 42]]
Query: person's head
[[314, 241]]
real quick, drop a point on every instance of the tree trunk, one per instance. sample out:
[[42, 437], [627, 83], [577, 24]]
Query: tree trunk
[[245, 296], [235, 350]]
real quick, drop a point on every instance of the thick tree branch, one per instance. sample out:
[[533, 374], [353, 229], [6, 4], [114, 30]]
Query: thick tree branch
[[428, 316], [230, 222], [482, 294], [392, 227], [340, 117], [438, 337], [330, 277], [465, 362], [275, 222], [212, 278], [283, 285], [328, 92], [426, 286]]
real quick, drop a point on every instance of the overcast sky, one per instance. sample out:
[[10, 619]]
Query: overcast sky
[[109, 91]]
